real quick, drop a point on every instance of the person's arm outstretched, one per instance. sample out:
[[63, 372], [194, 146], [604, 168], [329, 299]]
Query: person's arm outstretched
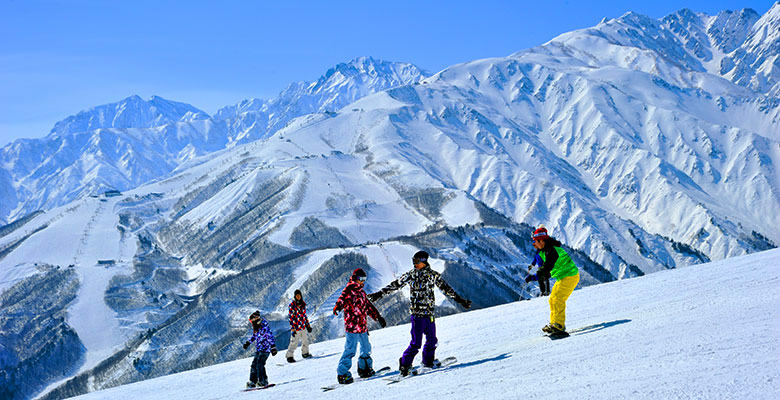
[[391, 287]]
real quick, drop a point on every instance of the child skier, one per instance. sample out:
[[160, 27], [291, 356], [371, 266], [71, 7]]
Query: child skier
[[540, 276], [264, 344], [356, 306], [421, 281], [299, 325], [558, 264]]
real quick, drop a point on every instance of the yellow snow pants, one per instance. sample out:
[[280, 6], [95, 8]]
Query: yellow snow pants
[[561, 291]]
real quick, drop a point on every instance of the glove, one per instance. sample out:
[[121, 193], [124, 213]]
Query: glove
[[374, 296], [530, 267], [273, 351], [293, 331], [531, 278], [465, 303], [335, 311], [308, 328], [382, 322], [246, 345]]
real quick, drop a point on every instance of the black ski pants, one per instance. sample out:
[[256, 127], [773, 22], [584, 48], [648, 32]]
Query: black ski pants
[[257, 373]]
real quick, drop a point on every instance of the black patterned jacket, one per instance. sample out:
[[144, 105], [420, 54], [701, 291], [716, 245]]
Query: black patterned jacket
[[421, 283]]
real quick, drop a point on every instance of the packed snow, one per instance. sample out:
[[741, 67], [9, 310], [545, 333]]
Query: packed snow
[[706, 331]]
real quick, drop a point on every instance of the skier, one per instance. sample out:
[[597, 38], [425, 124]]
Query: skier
[[421, 281], [356, 307], [264, 344], [557, 264], [299, 325], [540, 276]]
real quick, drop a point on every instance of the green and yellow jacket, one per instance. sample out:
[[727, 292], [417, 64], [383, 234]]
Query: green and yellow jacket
[[556, 261]]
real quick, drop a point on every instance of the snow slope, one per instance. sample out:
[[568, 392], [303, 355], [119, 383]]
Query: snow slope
[[80, 234], [706, 331]]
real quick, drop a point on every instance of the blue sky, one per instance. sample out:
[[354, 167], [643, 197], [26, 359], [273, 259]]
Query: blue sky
[[60, 57]]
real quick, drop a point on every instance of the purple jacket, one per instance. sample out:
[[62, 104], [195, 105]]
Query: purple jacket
[[263, 337]]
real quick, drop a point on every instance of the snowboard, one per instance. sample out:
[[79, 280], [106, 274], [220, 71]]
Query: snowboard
[[558, 335], [381, 372], [420, 370], [259, 388]]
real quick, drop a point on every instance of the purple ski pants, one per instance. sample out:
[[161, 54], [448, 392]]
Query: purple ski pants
[[421, 325]]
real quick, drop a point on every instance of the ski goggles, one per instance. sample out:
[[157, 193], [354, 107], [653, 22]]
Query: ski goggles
[[361, 278]]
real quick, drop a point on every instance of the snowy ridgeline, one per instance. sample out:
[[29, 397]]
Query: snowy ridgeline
[[133, 141], [708, 331]]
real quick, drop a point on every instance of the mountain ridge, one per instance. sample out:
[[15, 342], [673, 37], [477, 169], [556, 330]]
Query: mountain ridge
[[158, 135]]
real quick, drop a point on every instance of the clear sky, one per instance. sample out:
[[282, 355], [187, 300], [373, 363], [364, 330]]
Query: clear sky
[[60, 57]]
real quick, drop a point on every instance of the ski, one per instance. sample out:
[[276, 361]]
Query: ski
[[382, 372], [259, 388], [420, 370]]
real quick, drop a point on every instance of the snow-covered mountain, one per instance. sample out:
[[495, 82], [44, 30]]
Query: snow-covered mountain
[[618, 138], [254, 119], [132, 112], [688, 333], [125, 144]]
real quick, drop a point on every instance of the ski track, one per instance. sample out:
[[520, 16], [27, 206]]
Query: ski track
[[97, 324], [705, 331]]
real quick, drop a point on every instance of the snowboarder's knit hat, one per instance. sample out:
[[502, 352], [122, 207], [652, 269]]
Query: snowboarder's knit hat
[[357, 274], [254, 315], [540, 233], [420, 256]]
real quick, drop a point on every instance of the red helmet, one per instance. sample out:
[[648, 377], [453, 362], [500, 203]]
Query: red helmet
[[540, 234]]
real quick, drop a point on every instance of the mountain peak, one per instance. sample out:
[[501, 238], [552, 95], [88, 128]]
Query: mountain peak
[[130, 112], [340, 85], [369, 66]]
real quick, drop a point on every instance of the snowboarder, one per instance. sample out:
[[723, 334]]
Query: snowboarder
[[264, 344], [540, 276], [421, 281], [558, 265], [356, 308], [299, 326]]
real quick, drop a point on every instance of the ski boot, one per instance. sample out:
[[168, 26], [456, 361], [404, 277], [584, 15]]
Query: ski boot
[[558, 328], [366, 373], [250, 385], [345, 379], [404, 370], [434, 364], [290, 360], [307, 355], [554, 328]]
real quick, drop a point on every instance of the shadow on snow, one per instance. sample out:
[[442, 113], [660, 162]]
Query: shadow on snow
[[597, 327], [478, 362]]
